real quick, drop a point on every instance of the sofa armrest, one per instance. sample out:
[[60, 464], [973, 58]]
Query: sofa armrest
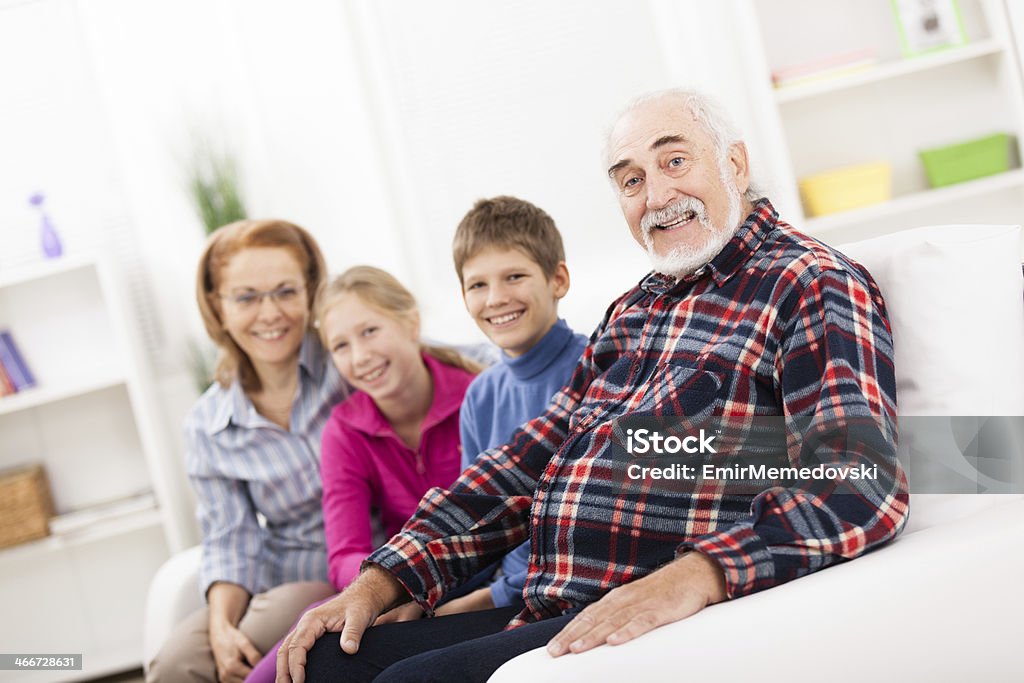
[[173, 595], [943, 599]]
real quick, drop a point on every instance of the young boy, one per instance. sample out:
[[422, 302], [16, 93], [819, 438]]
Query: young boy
[[511, 263]]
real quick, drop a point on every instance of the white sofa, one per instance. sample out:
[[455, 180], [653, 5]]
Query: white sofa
[[944, 601], [173, 595], [941, 603]]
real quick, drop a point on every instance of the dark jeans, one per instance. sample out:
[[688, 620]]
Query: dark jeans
[[462, 647]]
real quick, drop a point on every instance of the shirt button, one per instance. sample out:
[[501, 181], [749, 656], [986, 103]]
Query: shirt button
[[544, 486]]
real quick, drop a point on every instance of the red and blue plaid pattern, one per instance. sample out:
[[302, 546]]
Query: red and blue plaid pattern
[[776, 325]]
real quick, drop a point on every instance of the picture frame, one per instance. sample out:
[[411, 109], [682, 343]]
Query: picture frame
[[928, 25]]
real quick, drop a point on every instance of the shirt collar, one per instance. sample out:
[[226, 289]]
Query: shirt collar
[[233, 408], [237, 409], [312, 357], [360, 412], [748, 239], [543, 353]]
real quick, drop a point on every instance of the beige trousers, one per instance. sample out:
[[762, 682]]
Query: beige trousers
[[186, 657]]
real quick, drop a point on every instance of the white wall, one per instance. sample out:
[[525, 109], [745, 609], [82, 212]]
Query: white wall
[[377, 124]]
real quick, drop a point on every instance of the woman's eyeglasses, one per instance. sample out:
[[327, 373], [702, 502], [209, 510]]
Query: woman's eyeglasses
[[250, 299]]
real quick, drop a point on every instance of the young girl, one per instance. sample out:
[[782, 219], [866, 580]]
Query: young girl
[[397, 435]]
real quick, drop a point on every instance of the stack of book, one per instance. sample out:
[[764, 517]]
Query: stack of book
[[834, 66], [14, 373]]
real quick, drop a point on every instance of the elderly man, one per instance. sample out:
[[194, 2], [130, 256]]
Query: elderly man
[[741, 316]]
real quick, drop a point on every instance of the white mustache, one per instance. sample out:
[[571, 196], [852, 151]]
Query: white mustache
[[676, 209]]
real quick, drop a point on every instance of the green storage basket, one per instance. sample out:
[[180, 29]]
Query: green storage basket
[[967, 160]]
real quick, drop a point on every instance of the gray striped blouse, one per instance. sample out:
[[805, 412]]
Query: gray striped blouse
[[258, 485]]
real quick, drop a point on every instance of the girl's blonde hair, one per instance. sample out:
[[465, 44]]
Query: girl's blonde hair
[[222, 245], [379, 289]]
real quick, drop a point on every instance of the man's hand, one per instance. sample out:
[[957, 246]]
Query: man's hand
[[679, 589], [352, 612], [471, 602], [233, 653]]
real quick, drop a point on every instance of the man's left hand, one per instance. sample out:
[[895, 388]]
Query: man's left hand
[[680, 589]]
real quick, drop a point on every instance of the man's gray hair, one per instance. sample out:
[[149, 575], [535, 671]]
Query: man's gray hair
[[711, 116]]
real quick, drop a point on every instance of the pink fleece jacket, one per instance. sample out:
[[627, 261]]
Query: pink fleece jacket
[[364, 465]]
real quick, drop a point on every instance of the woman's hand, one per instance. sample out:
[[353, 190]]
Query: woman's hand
[[471, 602], [352, 612], [233, 653]]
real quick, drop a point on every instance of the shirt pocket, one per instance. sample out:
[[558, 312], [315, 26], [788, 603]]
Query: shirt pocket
[[678, 390]]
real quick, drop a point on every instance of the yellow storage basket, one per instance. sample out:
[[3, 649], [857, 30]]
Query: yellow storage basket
[[846, 188]]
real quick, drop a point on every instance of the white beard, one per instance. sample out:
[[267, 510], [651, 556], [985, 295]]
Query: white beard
[[685, 259]]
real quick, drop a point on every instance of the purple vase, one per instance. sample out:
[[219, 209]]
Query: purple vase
[[48, 237]]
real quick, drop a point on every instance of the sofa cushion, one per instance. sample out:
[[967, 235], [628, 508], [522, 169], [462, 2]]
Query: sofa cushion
[[954, 295]]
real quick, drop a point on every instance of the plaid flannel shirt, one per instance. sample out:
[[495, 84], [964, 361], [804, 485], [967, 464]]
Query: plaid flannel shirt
[[776, 325]]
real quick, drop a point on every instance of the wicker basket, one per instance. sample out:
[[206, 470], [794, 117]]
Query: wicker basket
[[25, 505]]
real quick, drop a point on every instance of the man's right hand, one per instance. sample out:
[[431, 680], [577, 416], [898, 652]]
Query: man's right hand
[[352, 612]]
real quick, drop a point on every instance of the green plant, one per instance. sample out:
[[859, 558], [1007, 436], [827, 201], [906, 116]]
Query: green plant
[[215, 187]]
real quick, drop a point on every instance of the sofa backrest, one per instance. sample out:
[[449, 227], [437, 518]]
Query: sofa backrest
[[955, 295]]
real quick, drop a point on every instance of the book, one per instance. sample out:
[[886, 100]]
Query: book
[[6, 388], [834, 66], [14, 363]]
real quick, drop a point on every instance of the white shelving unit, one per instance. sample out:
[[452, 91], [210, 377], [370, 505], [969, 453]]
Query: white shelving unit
[[890, 110], [92, 423]]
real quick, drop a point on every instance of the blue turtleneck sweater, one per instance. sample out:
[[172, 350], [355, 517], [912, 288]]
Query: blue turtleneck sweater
[[501, 399]]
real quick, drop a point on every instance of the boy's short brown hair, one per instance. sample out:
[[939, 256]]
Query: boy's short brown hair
[[508, 222]]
